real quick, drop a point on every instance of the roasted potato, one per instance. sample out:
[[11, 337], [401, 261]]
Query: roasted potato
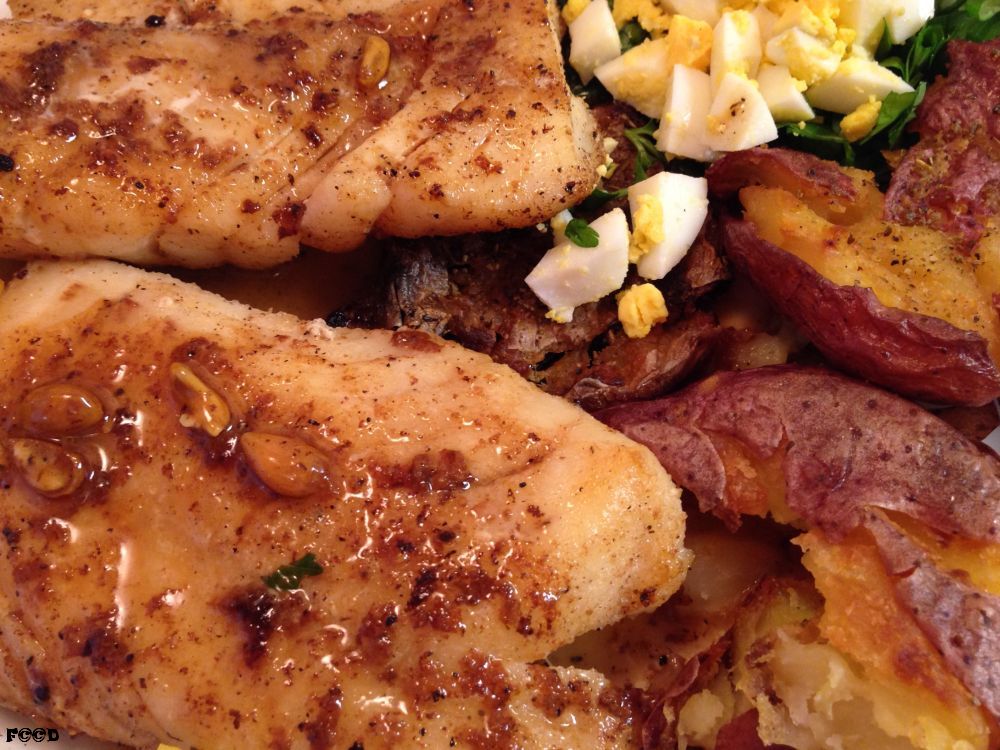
[[902, 515], [905, 307]]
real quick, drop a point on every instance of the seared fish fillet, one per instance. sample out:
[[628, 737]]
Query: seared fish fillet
[[165, 450], [204, 144]]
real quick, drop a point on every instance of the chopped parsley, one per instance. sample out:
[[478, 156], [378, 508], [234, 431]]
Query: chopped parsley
[[646, 152], [288, 577], [582, 234]]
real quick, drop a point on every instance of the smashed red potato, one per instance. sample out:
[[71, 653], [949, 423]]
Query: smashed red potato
[[882, 485], [905, 307]]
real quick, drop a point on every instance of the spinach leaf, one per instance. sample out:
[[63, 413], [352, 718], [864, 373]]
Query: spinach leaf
[[897, 110], [822, 140]]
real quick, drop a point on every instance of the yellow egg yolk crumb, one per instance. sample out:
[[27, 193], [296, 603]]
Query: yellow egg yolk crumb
[[640, 308], [647, 12], [648, 227], [572, 9], [860, 122]]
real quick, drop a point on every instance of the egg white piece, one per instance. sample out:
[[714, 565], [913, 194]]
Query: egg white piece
[[683, 130], [739, 117], [685, 207], [855, 80], [784, 100], [807, 57], [907, 17], [639, 77], [866, 17], [593, 39], [568, 276], [736, 46], [766, 21], [708, 11]]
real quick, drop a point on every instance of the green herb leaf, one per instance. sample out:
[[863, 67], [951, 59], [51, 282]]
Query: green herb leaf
[[288, 577], [580, 233], [822, 140], [600, 196], [646, 153], [897, 110], [632, 35], [885, 42], [987, 9]]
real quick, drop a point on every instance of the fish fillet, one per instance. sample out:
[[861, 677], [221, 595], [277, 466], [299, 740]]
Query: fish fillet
[[164, 450], [209, 143]]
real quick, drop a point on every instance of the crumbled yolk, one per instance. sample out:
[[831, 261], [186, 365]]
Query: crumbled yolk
[[860, 122], [648, 227], [647, 12], [690, 43], [640, 308], [572, 9]]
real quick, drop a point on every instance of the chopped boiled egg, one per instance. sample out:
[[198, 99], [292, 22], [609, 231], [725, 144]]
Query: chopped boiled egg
[[640, 308], [860, 122], [647, 226], [568, 276], [806, 56], [855, 80], [907, 17], [739, 117], [765, 22], [682, 130], [559, 222], [736, 46], [783, 94], [866, 18], [708, 11], [668, 225], [818, 21], [640, 76], [648, 13], [572, 10], [593, 39]]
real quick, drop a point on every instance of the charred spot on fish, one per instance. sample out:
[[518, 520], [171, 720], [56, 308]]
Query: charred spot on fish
[[322, 101], [289, 219], [6, 163], [102, 645], [155, 22], [255, 610], [313, 137], [45, 68], [374, 636], [417, 341], [138, 65], [250, 207], [321, 732], [423, 587], [281, 45]]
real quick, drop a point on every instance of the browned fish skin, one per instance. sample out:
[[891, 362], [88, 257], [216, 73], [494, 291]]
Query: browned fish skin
[[211, 143], [466, 525]]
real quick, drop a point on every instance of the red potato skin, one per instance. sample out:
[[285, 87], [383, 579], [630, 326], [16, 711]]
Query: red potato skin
[[961, 621], [847, 448], [915, 355], [797, 172], [849, 452]]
